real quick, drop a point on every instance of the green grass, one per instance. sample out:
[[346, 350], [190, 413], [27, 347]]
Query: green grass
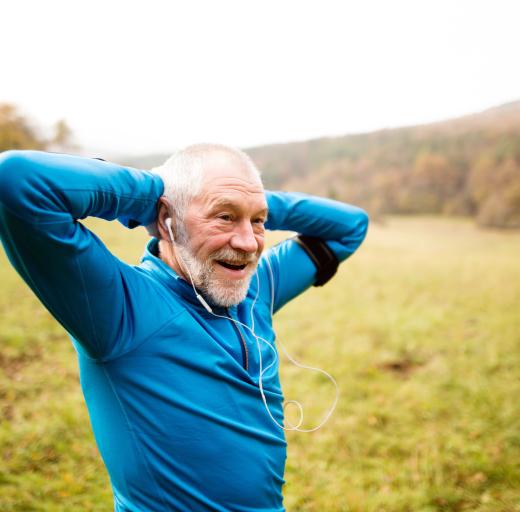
[[421, 329]]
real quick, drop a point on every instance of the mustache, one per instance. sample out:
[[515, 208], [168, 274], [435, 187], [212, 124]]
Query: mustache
[[234, 257]]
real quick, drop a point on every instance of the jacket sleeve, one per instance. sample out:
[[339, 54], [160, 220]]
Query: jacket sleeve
[[341, 225], [86, 288]]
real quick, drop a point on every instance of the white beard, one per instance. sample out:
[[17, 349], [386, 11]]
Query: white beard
[[222, 292]]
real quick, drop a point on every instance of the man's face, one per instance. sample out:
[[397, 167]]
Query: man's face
[[224, 231]]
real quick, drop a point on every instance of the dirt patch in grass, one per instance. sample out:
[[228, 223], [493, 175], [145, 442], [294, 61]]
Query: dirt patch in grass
[[402, 367], [13, 364]]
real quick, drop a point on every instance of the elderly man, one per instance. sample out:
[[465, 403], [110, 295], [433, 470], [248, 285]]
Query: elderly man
[[170, 350]]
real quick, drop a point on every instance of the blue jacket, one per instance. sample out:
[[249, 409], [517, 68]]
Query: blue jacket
[[172, 391]]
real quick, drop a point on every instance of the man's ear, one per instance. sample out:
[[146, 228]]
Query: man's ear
[[164, 211]]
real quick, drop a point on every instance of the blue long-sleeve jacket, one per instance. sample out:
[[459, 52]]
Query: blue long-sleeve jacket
[[172, 391]]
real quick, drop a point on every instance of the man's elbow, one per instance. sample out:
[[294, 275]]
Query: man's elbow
[[361, 226], [14, 171], [13, 158], [358, 228]]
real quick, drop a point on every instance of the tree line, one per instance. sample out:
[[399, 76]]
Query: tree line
[[469, 166]]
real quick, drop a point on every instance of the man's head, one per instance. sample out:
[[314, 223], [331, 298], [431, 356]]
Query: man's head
[[215, 198]]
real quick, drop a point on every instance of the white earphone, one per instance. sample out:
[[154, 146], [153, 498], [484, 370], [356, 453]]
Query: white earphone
[[168, 223]]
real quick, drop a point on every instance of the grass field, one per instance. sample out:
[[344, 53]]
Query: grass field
[[421, 329]]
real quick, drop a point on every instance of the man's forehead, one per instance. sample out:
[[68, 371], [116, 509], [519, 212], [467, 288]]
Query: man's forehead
[[255, 201], [223, 192]]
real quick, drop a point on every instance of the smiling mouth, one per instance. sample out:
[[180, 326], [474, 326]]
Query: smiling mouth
[[231, 266]]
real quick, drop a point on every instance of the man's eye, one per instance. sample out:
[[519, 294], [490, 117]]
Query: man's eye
[[226, 218], [259, 221]]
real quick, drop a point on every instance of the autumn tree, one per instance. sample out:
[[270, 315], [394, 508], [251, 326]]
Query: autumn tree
[[16, 132], [62, 139]]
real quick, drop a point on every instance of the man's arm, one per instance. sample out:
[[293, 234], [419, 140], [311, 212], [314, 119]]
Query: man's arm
[[85, 287], [342, 226]]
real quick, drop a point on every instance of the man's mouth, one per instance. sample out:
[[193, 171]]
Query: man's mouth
[[232, 266]]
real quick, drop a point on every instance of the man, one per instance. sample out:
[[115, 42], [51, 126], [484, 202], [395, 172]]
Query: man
[[170, 350]]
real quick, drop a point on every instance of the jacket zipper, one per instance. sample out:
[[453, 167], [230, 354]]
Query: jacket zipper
[[245, 354]]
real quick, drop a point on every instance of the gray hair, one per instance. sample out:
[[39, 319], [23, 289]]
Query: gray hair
[[183, 174]]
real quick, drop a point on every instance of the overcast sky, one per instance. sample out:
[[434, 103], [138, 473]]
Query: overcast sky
[[146, 76]]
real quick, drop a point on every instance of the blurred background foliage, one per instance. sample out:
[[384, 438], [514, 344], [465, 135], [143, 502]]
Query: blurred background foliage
[[468, 166], [19, 132]]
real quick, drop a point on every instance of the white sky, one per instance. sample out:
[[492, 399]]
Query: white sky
[[145, 76]]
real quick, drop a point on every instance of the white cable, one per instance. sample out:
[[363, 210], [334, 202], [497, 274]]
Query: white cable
[[276, 358]]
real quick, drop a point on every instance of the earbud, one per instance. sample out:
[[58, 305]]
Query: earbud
[[168, 223]]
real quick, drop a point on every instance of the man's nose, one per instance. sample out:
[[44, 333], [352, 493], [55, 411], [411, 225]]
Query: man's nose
[[243, 238]]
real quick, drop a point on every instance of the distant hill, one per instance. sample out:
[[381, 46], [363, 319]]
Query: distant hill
[[144, 161], [464, 166]]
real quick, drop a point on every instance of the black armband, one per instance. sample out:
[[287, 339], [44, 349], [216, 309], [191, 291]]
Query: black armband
[[322, 256]]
